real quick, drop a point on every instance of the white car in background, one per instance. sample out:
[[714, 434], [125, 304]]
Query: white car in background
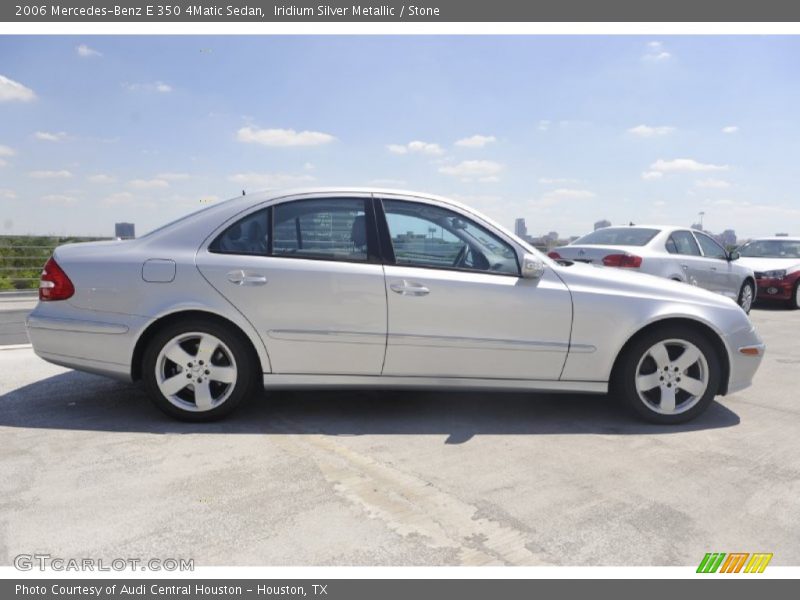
[[776, 263], [676, 253]]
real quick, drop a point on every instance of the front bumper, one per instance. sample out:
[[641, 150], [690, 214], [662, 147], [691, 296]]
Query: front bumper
[[775, 289], [746, 351]]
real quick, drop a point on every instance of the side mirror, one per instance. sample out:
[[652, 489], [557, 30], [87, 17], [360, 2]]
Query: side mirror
[[733, 255], [532, 267]]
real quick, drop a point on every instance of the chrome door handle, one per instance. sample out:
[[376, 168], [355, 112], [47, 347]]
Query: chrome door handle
[[408, 288], [713, 268], [684, 267], [242, 277]]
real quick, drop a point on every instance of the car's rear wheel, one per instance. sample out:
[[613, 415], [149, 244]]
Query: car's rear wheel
[[198, 370], [669, 376], [746, 296]]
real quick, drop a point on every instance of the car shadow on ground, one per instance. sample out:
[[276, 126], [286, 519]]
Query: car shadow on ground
[[79, 401]]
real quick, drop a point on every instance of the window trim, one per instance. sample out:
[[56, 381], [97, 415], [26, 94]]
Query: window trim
[[392, 260], [713, 241], [266, 209], [691, 236], [373, 253]]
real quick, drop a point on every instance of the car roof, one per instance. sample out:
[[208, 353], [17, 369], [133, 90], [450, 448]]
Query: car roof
[[775, 238]]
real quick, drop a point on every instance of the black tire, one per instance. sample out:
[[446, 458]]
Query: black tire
[[245, 362], [623, 382], [740, 298], [794, 301]]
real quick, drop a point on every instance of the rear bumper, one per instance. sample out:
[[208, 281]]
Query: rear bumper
[[100, 347]]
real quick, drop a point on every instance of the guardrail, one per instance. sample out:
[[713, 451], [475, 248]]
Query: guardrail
[[22, 259]]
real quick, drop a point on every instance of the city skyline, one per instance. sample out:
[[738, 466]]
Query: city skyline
[[558, 129]]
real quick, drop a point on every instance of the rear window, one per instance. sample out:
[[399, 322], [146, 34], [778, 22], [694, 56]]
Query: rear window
[[618, 236]]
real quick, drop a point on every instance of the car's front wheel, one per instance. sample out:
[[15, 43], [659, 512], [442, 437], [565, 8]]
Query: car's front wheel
[[197, 370], [746, 296], [669, 375], [794, 301]]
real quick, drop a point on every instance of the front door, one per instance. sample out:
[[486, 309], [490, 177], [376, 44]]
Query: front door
[[457, 305]]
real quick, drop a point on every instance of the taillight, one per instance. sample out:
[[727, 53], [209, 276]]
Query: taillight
[[554, 255], [54, 283], [630, 261]]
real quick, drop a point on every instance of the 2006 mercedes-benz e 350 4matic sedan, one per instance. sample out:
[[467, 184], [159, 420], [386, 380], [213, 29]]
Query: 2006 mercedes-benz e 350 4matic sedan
[[361, 287]]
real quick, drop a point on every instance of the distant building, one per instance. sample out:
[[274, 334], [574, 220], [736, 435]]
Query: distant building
[[552, 236], [124, 231], [602, 224], [781, 235], [697, 226], [520, 228], [728, 237]]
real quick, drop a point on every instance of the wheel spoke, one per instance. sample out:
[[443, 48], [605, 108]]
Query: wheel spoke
[[206, 349], [223, 374], [660, 355], [178, 355], [690, 356], [202, 395], [668, 399], [648, 382], [174, 384], [691, 385]]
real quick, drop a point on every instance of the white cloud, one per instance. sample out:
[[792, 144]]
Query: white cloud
[[100, 178], [570, 194], [556, 181], [650, 131], [59, 199], [148, 184], [730, 129], [282, 137], [7, 151], [208, 199], [85, 52], [154, 86], [173, 176], [651, 175], [476, 141], [7, 194], [684, 165], [309, 166], [483, 170], [416, 147], [11, 90], [656, 53], [118, 198], [269, 180], [718, 184], [62, 174], [47, 136], [544, 125]]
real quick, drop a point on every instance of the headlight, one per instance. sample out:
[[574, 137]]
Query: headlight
[[777, 274]]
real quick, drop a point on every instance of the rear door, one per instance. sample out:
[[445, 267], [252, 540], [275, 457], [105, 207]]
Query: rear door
[[692, 263], [306, 274]]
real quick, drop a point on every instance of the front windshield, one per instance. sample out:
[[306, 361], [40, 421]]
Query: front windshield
[[771, 249], [618, 236]]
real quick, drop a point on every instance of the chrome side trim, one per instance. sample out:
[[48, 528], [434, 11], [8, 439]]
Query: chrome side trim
[[302, 381], [434, 341], [76, 325], [321, 336]]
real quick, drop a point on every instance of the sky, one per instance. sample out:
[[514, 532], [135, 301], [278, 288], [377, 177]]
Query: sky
[[560, 130]]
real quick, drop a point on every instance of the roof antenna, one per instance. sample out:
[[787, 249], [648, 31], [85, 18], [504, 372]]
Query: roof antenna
[[244, 193]]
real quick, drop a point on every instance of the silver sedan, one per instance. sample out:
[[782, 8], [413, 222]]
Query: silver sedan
[[677, 253], [371, 288]]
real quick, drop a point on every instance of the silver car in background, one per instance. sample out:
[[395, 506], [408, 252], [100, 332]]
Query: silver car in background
[[676, 253], [357, 287]]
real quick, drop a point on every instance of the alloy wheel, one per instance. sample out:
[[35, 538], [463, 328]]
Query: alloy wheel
[[672, 376]]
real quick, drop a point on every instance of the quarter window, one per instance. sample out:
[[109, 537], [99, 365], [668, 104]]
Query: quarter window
[[684, 243], [429, 236], [249, 235], [328, 228]]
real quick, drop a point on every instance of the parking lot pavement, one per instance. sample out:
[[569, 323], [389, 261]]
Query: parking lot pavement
[[89, 469]]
